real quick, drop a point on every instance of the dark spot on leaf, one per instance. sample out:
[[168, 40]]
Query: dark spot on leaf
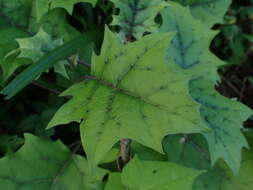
[[162, 87], [144, 116]]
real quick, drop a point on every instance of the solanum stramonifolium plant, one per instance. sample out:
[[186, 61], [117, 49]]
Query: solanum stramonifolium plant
[[148, 93]]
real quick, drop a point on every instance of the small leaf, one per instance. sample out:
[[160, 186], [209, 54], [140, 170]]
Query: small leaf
[[45, 165], [33, 71], [38, 45], [118, 103], [155, 175], [21, 26]]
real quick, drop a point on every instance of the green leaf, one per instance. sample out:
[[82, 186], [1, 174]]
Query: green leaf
[[15, 13], [136, 16], [43, 6], [154, 175], [190, 47], [188, 150], [44, 165], [117, 102], [40, 44], [225, 116], [212, 180], [9, 143], [145, 153], [111, 156], [190, 50], [36, 124], [43, 64], [114, 182], [220, 177], [9, 66], [249, 38], [7, 44], [15, 26], [69, 5], [210, 12], [55, 23], [14, 23]]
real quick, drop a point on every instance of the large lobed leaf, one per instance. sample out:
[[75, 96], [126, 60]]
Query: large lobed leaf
[[190, 50], [225, 117], [136, 16], [190, 47], [44, 165], [133, 94], [210, 12]]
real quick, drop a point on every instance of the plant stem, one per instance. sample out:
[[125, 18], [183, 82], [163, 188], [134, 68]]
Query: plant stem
[[124, 151]]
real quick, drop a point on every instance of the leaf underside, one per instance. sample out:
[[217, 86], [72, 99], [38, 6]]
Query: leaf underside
[[190, 50]]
